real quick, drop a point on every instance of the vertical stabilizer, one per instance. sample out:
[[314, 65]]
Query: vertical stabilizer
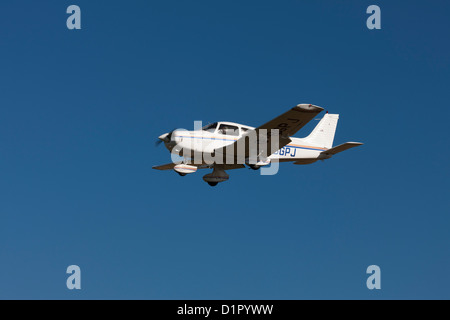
[[323, 134]]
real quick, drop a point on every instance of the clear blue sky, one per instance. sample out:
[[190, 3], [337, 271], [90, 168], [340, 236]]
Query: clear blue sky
[[80, 111]]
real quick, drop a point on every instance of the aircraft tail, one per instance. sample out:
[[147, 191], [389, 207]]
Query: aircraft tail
[[323, 134]]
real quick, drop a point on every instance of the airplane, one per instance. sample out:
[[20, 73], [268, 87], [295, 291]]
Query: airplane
[[229, 142]]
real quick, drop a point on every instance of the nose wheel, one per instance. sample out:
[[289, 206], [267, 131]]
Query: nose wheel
[[218, 175]]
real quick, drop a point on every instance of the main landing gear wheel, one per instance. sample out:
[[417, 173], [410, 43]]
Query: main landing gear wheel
[[213, 184], [182, 174]]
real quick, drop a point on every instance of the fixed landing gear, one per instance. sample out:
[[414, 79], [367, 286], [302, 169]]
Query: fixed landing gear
[[254, 166], [213, 184], [182, 174]]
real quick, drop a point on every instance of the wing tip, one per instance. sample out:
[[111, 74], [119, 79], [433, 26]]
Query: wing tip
[[305, 107], [355, 143]]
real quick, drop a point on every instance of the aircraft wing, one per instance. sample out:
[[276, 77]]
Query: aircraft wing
[[167, 166], [293, 120], [170, 166], [287, 125]]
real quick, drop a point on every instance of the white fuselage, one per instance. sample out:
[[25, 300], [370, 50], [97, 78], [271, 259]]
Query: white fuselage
[[202, 141]]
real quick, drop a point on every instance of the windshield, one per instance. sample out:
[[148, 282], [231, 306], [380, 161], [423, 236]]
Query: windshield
[[229, 130], [210, 127]]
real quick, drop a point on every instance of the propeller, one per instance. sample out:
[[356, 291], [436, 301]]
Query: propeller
[[166, 137]]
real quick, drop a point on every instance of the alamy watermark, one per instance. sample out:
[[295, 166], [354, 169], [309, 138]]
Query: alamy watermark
[[374, 20], [374, 280], [74, 280], [74, 20]]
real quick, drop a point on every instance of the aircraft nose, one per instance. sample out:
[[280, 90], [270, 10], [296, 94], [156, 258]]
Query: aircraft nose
[[163, 136]]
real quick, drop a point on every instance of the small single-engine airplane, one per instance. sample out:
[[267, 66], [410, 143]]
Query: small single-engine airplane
[[226, 145]]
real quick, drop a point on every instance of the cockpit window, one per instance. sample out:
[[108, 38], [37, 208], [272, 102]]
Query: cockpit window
[[229, 130], [210, 127]]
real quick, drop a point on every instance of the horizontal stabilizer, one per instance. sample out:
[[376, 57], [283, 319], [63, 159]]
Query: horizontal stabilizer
[[306, 161], [342, 147]]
